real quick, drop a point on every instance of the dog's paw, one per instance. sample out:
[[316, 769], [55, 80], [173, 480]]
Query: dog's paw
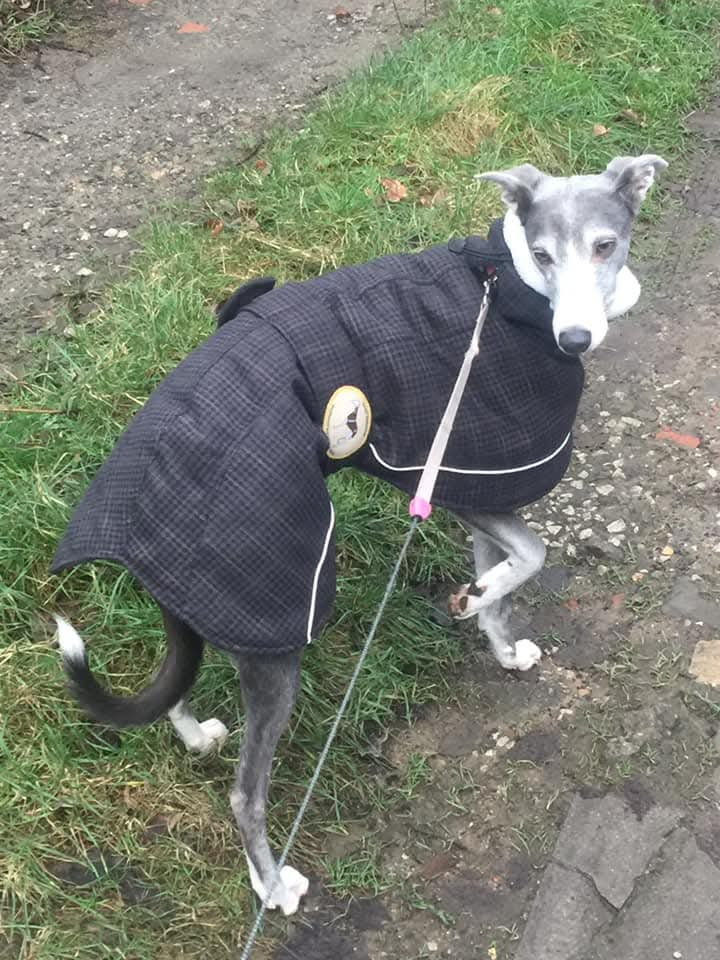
[[527, 654], [464, 603], [214, 735], [287, 893], [294, 888]]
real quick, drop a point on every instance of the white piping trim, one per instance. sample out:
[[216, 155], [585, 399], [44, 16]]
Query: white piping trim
[[316, 578], [483, 473]]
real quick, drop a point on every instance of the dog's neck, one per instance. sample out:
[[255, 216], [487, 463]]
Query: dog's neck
[[627, 288]]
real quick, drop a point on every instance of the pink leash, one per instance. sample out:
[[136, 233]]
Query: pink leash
[[421, 505]]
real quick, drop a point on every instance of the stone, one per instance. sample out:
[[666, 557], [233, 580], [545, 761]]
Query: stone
[[674, 911], [617, 526], [565, 917], [608, 842], [705, 663], [686, 601]]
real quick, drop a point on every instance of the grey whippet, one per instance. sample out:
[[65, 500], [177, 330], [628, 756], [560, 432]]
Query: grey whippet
[[568, 240]]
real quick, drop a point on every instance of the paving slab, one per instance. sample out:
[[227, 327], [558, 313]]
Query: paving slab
[[610, 844], [674, 913], [566, 915]]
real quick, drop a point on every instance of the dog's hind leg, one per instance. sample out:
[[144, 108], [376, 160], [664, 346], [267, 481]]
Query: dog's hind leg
[[198, 737], [506, 554], [269, 686]]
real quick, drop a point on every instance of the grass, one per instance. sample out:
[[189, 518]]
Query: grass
[[24, 22], [474, 91]]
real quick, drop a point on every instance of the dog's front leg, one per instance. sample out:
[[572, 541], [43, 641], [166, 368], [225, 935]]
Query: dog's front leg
[[506, 554], [269, 687]]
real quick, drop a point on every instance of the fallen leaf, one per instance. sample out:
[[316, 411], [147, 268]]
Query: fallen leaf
[[436, 866], [617, 600], [629, 114], [682, 439], [394, 190], [162, 823], [139, 3], [262, 166], [492, 953], [667, 551], [572, 604], [494, 11], [215, 226], [342, 13], [599, 130], [441, 195], [191, 27]]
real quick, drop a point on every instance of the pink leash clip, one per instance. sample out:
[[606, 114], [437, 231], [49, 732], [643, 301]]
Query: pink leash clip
[[421, 505]]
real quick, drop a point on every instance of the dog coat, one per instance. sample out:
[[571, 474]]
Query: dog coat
[[214, 496]]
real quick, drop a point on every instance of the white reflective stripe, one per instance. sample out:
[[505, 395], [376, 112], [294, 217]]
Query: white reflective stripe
[[483, 473], [316, 578]]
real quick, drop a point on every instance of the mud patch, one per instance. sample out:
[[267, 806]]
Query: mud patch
[[128, 113]]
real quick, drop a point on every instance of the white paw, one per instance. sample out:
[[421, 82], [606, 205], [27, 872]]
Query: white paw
[[287, 892], [527, 654], [463, 604], [215, 733]]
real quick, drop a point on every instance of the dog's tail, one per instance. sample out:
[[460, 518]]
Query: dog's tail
[[174, 678]]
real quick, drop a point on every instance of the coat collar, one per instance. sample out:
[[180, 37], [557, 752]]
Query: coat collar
[[515, 300]]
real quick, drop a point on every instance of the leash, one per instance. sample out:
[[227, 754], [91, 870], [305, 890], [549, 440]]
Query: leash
[[420, 509]]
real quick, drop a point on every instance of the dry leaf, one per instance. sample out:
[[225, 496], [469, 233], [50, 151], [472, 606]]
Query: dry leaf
[[629, 114], [494, 11], [216, 227], [394, 190], [263, 167], [191, 27], [600, 131], [436, 866], [342, 13], [441, 195]]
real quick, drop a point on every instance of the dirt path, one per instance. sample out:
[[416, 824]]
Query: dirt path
[[614, 727], [126, 110]]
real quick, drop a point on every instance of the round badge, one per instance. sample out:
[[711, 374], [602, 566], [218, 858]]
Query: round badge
[[347, 422]]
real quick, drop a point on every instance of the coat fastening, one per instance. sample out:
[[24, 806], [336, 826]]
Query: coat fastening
[[214, 496]]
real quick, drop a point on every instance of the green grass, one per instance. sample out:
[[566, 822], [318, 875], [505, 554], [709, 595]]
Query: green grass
[[24, 22], [472, 92]]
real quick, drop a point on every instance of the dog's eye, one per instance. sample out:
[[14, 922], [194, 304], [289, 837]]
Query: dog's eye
[[542, 257], [603, 248]]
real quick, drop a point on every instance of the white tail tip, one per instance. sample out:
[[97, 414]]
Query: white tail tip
[[69, 640]]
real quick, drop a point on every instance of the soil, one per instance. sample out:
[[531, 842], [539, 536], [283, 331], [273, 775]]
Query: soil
[[125, 111], [630, 591]]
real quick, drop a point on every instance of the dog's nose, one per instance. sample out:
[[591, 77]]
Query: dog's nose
[[574, 340]]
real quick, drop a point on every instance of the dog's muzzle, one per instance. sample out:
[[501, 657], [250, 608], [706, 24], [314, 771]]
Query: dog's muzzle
[[574, 340]]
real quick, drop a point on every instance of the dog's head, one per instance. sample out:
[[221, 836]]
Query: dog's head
[[569, 238]]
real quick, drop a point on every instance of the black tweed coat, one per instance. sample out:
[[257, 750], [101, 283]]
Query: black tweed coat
[[214, 496]]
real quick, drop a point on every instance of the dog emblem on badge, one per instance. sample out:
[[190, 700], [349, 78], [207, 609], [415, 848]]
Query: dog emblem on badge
[[347, 422]]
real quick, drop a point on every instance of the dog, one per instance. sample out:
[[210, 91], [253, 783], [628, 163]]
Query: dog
[[215, 495]]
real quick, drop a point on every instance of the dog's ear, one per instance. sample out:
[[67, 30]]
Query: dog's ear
[[633, 177], [518, 186]]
